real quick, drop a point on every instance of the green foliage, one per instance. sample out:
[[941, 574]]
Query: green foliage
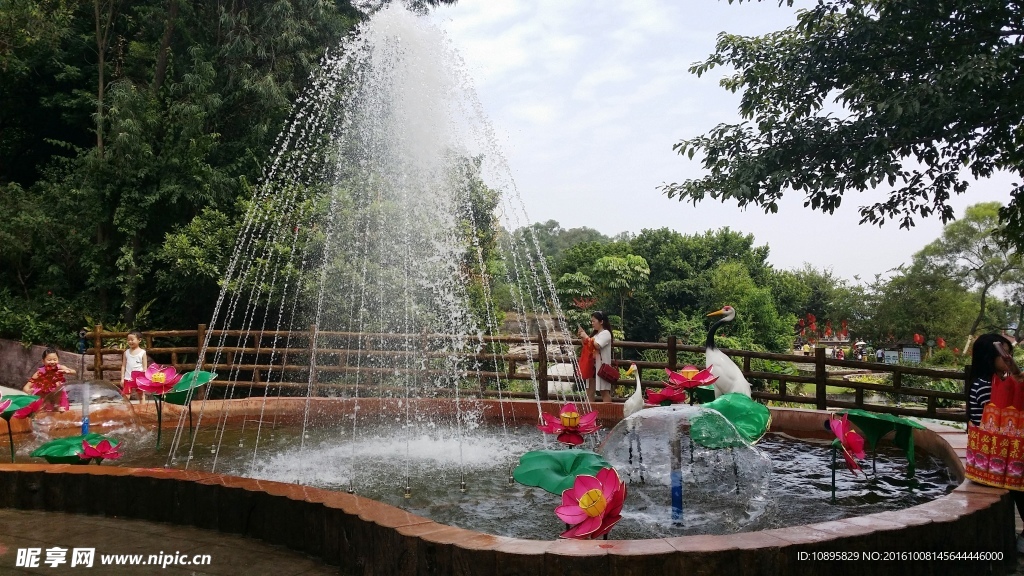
[[928, 99], [124, 154], [553, 240], [621, 277], [945, 358], [970, 251]]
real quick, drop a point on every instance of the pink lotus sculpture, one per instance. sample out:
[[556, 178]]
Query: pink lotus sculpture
[[690, 377], [569, 425], [667, 395], [679, 382], [850, 442], [593, 505], [156, 379], [4, 403], [103, 450]]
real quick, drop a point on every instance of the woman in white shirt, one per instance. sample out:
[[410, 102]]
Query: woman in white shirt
[[601, 340]]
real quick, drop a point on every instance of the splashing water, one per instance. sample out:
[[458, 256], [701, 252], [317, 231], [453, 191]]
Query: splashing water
[[375, 240]]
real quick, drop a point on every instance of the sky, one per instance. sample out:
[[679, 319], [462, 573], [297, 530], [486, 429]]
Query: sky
[[587, 97]]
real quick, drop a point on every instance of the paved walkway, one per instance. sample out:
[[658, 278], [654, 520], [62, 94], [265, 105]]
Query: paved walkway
[[229, 554]]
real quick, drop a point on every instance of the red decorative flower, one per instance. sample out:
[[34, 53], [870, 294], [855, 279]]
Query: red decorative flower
[[103, 450], [851, 443], [47, 379], [667, 395], [690, 377], [569, 425], [593, 505], [679, 382]]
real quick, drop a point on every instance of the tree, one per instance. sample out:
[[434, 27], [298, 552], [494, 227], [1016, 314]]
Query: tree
[[969, 250], [621, 276], [553, 240], [130, 121], [927, 89], [921, 299]]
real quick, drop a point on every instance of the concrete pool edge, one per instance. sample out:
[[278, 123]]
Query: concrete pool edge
[[363, 536]]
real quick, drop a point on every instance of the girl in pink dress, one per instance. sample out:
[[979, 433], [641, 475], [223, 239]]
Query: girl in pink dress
[[48, 379]]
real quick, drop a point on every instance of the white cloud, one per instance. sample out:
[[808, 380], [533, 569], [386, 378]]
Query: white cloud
[[588, 98]]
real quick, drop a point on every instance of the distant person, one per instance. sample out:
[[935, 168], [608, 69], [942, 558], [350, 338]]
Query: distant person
[[807, 349], [879, 355], [133, 360], [601, 340], [49, 378], [840, 355]]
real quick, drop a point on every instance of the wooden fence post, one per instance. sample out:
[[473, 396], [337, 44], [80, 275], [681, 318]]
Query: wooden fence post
[[97, 341], [542, 368], [820, 378], [897, 386], [312, 358], [200, 340], [673, 361]]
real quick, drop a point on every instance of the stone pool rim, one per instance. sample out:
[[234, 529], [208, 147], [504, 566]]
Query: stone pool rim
[[363, 536]]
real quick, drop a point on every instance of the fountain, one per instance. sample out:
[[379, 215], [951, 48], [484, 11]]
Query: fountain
[[378, 226]]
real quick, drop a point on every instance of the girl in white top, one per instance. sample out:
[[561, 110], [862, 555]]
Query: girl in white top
[[133, 360], [601, 340]]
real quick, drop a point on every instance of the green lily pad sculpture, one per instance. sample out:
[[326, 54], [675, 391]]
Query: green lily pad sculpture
[[748, 417], [875, 425], [77, 449], [702, 394], [556, 470], [14, 402], [181, 395], [186, 388]]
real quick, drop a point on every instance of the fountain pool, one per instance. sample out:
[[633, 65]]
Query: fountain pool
[[368, 537]]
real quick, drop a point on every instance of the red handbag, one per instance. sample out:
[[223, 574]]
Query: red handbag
[[608, 373]]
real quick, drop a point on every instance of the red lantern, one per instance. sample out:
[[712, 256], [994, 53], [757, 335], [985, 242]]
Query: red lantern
[[941, 343], [918, 339], [956, 351]]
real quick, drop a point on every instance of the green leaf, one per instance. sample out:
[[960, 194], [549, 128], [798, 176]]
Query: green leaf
[[68, 450], [750, 417], [18, 401], [556, 470], [184, 390]]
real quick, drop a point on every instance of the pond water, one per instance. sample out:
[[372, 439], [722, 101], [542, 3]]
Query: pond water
[[432, 464]]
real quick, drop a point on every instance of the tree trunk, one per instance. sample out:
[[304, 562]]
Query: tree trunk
[[1020, 320], [622, 314], [981, 312], [104, 23], [100, 55], [165, 46], [103, 295], [131, 288]]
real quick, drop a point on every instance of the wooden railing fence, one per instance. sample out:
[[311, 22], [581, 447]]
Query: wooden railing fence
[[282, 359]]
